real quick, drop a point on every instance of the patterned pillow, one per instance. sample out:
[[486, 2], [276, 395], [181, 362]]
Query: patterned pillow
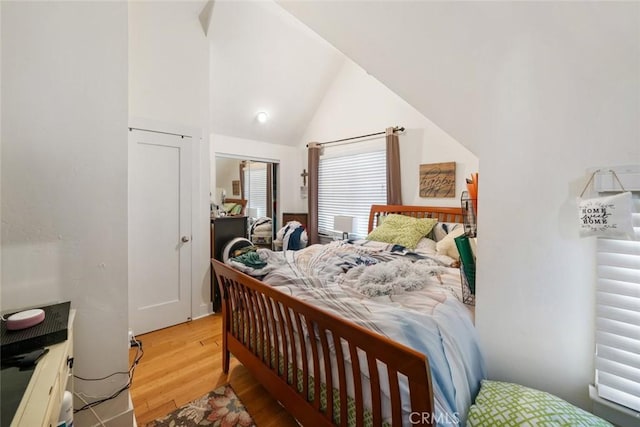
[[507, 404], [402, 230], [441, 229]]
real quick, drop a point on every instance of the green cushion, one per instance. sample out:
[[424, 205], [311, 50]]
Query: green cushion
[[506, 404], [232, 208], [402, 230]]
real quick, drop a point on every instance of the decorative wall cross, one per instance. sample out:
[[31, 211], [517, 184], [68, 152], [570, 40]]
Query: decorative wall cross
[[304, 176]]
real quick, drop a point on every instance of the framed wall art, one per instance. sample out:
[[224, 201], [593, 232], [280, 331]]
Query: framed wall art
[[438, 180]]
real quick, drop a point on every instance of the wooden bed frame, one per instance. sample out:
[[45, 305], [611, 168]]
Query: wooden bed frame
[[257, 320]]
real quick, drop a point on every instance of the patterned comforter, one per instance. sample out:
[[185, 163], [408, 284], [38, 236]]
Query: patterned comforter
[[410, 298]]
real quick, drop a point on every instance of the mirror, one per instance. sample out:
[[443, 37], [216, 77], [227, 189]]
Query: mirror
[[245, 187]]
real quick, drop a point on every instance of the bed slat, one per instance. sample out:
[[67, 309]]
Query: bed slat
[[266, 333], [375, 390], [342, 378], [305, 361], [328, 380], [396, 403], [283, 336], [355, 363], [313, 343]]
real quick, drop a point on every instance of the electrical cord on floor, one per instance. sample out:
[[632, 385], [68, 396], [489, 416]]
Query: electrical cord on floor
[[136, 359]]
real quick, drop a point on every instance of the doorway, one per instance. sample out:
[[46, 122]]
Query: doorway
[[160, 250]]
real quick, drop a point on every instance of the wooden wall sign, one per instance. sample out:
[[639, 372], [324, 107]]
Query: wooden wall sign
[[236, 187], [438, 180]]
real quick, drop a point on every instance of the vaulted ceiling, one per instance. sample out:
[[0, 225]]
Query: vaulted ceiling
[[461, 62], [264, 59], [447, 59]]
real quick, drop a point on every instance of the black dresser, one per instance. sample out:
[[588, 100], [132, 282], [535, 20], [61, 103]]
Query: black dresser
[[223, 229]]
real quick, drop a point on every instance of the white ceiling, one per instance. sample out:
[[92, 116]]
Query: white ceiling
[[264, 59], [447, 59], [450, 59]]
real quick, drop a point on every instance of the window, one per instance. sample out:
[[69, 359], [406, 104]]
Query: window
[[255, 187], [348, 184], [618, 318]]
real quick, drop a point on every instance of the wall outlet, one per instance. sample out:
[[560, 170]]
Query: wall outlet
[[130, 339]]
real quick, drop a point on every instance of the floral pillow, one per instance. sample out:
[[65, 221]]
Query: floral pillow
[[402, 230]]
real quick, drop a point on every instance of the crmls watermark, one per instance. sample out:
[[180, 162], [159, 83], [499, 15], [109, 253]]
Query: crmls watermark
[[431, 418]]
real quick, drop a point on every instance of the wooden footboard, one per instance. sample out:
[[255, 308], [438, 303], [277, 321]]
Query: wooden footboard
[[296, 352]]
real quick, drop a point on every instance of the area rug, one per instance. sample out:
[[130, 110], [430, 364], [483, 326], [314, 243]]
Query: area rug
[[220, 408]]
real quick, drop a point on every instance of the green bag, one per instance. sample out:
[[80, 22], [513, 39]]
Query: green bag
[[468, 261]]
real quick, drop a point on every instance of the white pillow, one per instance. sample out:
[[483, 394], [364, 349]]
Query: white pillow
[[441, 229], [608, 216], [426, 245], [447, 246]]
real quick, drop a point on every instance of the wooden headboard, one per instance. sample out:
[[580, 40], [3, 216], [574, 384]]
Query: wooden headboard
[[442, 214]]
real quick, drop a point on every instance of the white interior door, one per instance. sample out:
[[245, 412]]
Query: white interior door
[[159, 230]]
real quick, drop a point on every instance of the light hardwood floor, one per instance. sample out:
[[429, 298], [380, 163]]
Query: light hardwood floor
[[184, 362]]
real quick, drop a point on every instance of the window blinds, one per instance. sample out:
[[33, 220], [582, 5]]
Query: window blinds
[[255, 187], [349, 185], [618, 318]]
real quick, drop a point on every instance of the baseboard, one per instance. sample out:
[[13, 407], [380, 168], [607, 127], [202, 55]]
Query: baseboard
[[113, 413], [203, 315]]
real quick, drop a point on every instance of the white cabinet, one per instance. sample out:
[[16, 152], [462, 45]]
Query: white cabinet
[[40, 405]]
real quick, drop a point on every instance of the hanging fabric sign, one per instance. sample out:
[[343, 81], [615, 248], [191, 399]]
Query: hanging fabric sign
[[608, 216]]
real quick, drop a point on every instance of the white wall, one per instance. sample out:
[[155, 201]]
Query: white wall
[[1, 157], [576, 106], [168, 62], [288, 157], [169, 87], [64, 175], [541, 91], [358, 104]]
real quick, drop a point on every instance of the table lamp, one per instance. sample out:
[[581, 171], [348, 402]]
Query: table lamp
[[345, 224]]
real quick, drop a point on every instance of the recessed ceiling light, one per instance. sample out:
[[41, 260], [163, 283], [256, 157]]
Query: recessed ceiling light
[[262, 117]]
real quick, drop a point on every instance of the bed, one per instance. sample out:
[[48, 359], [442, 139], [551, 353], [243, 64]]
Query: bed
[[334, 352]]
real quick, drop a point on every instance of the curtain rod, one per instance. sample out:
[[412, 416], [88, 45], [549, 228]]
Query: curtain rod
[[395, 129]]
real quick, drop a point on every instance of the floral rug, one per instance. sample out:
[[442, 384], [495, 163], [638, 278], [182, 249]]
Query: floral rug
[[220, 408]]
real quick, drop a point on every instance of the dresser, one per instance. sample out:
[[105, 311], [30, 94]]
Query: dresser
[[223, 229], [42, 393]]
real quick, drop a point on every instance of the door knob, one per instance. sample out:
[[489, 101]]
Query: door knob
[[185, 239]]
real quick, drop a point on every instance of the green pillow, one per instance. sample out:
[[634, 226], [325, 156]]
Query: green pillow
[[402, 230], [506, 404], [232, 208]]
